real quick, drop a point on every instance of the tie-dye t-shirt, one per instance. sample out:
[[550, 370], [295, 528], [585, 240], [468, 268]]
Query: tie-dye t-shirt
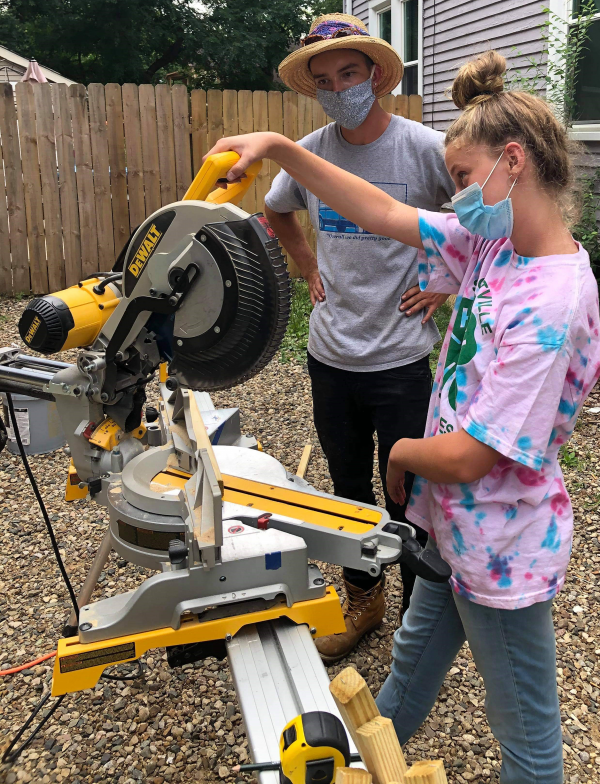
[[521, 354]]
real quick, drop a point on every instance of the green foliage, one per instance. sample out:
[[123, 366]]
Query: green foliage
[[442, 319], [295, 340], [586, 230], [568, 458]]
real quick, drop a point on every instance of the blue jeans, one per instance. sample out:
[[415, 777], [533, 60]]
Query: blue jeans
[[515, 653]]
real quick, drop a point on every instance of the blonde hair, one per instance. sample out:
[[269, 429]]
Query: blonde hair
[[494, 117]]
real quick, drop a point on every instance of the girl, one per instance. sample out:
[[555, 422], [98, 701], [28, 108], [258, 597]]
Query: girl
[[521, 354]]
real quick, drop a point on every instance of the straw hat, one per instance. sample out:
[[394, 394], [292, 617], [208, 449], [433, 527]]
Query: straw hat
[[294, 69]]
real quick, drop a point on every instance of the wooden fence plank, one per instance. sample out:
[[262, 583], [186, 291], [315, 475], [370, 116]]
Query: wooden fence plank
[[319, 116], [246, 125], [401, 105], [69, 208], [290, 115], [133, 154], [15, 197], [230, 113], [118, 173], [261, 123], [181, 133], [305, 126], [214, 103], [85, 179], [33, 188], [42, 94], [100, 158], [387, 103], [6, 284], [199, 129], [415, 108], [275, 105], [166, 144], [149, 148]]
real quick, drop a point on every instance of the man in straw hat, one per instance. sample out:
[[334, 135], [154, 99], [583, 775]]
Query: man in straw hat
[[367, 361]]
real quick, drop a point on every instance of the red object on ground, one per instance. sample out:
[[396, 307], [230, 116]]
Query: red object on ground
[[28, 665]]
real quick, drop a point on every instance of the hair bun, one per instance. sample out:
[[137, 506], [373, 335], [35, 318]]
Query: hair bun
[[478, 79]]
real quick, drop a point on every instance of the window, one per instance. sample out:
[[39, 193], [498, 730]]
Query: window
[[410, 48], [587, 89], [399, 23]]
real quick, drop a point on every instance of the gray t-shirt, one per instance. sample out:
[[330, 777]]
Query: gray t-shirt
[[358, 326]]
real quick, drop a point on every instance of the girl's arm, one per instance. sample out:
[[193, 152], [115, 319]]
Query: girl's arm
[[445, 459], [357, 200]]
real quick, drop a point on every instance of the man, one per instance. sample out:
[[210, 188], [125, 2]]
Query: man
[[367, 361]]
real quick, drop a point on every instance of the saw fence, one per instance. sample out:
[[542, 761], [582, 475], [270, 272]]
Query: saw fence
[[84, 167]]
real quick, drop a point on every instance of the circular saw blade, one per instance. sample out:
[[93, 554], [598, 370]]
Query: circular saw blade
[[241, 302]]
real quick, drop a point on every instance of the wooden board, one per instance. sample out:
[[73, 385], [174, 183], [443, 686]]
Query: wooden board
[[69, 208], [6, 286], [260, 110], [85, 179], [380, 750], [319, 116], [166, 144], [42, 94], [199, 129], [214, 104], [133, 154], [415, 108], [100, 157], [33, 188], [246, 125], [149, 148], [275, 108], [202, 439], [182, 138], [387, 103], [426, 772], [17, 260], [118, 174], [401, 105]]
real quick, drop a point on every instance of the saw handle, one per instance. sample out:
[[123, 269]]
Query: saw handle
[[214, 168]]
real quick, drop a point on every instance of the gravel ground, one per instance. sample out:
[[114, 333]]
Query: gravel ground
[[184, 725]]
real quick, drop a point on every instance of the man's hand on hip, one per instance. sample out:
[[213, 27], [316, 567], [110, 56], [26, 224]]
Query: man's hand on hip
[[315, 287], [414, 300]]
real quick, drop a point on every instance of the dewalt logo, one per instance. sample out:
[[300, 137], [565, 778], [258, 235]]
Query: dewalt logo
[[146, 249], [33, 328]]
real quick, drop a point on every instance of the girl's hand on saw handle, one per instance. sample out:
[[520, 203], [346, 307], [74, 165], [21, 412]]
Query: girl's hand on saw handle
[[355, 199]]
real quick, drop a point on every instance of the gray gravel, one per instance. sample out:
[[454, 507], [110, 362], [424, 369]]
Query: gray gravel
[[184, 725]]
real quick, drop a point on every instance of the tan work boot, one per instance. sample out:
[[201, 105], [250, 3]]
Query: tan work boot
[[363, 612]]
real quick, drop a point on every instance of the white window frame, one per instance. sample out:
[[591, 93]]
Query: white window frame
[[397, 9], [584, 132]]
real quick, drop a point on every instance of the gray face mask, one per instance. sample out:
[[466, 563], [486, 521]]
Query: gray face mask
[[349, 107]]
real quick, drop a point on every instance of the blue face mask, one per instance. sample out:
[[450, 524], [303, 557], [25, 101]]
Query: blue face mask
[[491, 223]]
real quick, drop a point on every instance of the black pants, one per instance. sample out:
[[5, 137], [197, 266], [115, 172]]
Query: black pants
[[348, 408]]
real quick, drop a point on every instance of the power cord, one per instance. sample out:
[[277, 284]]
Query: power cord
[[9, 756]]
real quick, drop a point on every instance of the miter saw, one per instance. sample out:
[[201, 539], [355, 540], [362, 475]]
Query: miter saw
[[200, 295]]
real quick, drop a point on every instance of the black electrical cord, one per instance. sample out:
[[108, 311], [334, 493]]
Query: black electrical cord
[[42, 506], [99, 287], [8, 757]]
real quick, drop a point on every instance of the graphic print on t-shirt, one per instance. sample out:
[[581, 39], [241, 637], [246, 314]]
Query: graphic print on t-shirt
[[331, 221], [462, 348]]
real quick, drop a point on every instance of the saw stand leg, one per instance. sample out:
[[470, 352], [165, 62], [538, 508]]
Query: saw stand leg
[[87, 589]]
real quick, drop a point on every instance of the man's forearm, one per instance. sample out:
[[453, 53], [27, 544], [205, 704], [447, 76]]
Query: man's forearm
[[289, 232]]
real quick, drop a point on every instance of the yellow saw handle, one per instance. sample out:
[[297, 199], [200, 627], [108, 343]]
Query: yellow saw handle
[[214, 168]]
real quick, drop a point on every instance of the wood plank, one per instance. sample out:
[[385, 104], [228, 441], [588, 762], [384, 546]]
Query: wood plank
[[230, 113], [118, 174], [426, 772], [166, 144], [304, 460], [33, 187], [415, 108], [387, 103], [246, 125], [202, 439], [15, 196], [401, 105], [133, 154], [214, 103], [353, 699], [260, 110], [380, 750], [290, 115], [199, 129], [69, 208], [352, 776], [6, 284], [182, 138], [275, 107], [100, 158], [42, 94], [149, 148], [304, 128], [319, 116], [85, 179]]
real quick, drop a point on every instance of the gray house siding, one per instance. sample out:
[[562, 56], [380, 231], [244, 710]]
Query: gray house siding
[[454, 31], [360, 8]]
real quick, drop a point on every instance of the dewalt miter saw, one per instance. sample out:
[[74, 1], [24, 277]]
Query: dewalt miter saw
[[200, 295]]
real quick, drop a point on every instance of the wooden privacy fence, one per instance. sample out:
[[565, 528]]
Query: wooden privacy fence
[[83, 168]]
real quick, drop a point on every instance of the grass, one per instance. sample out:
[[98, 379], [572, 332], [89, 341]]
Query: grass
[[568, 458], [296, 337]]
